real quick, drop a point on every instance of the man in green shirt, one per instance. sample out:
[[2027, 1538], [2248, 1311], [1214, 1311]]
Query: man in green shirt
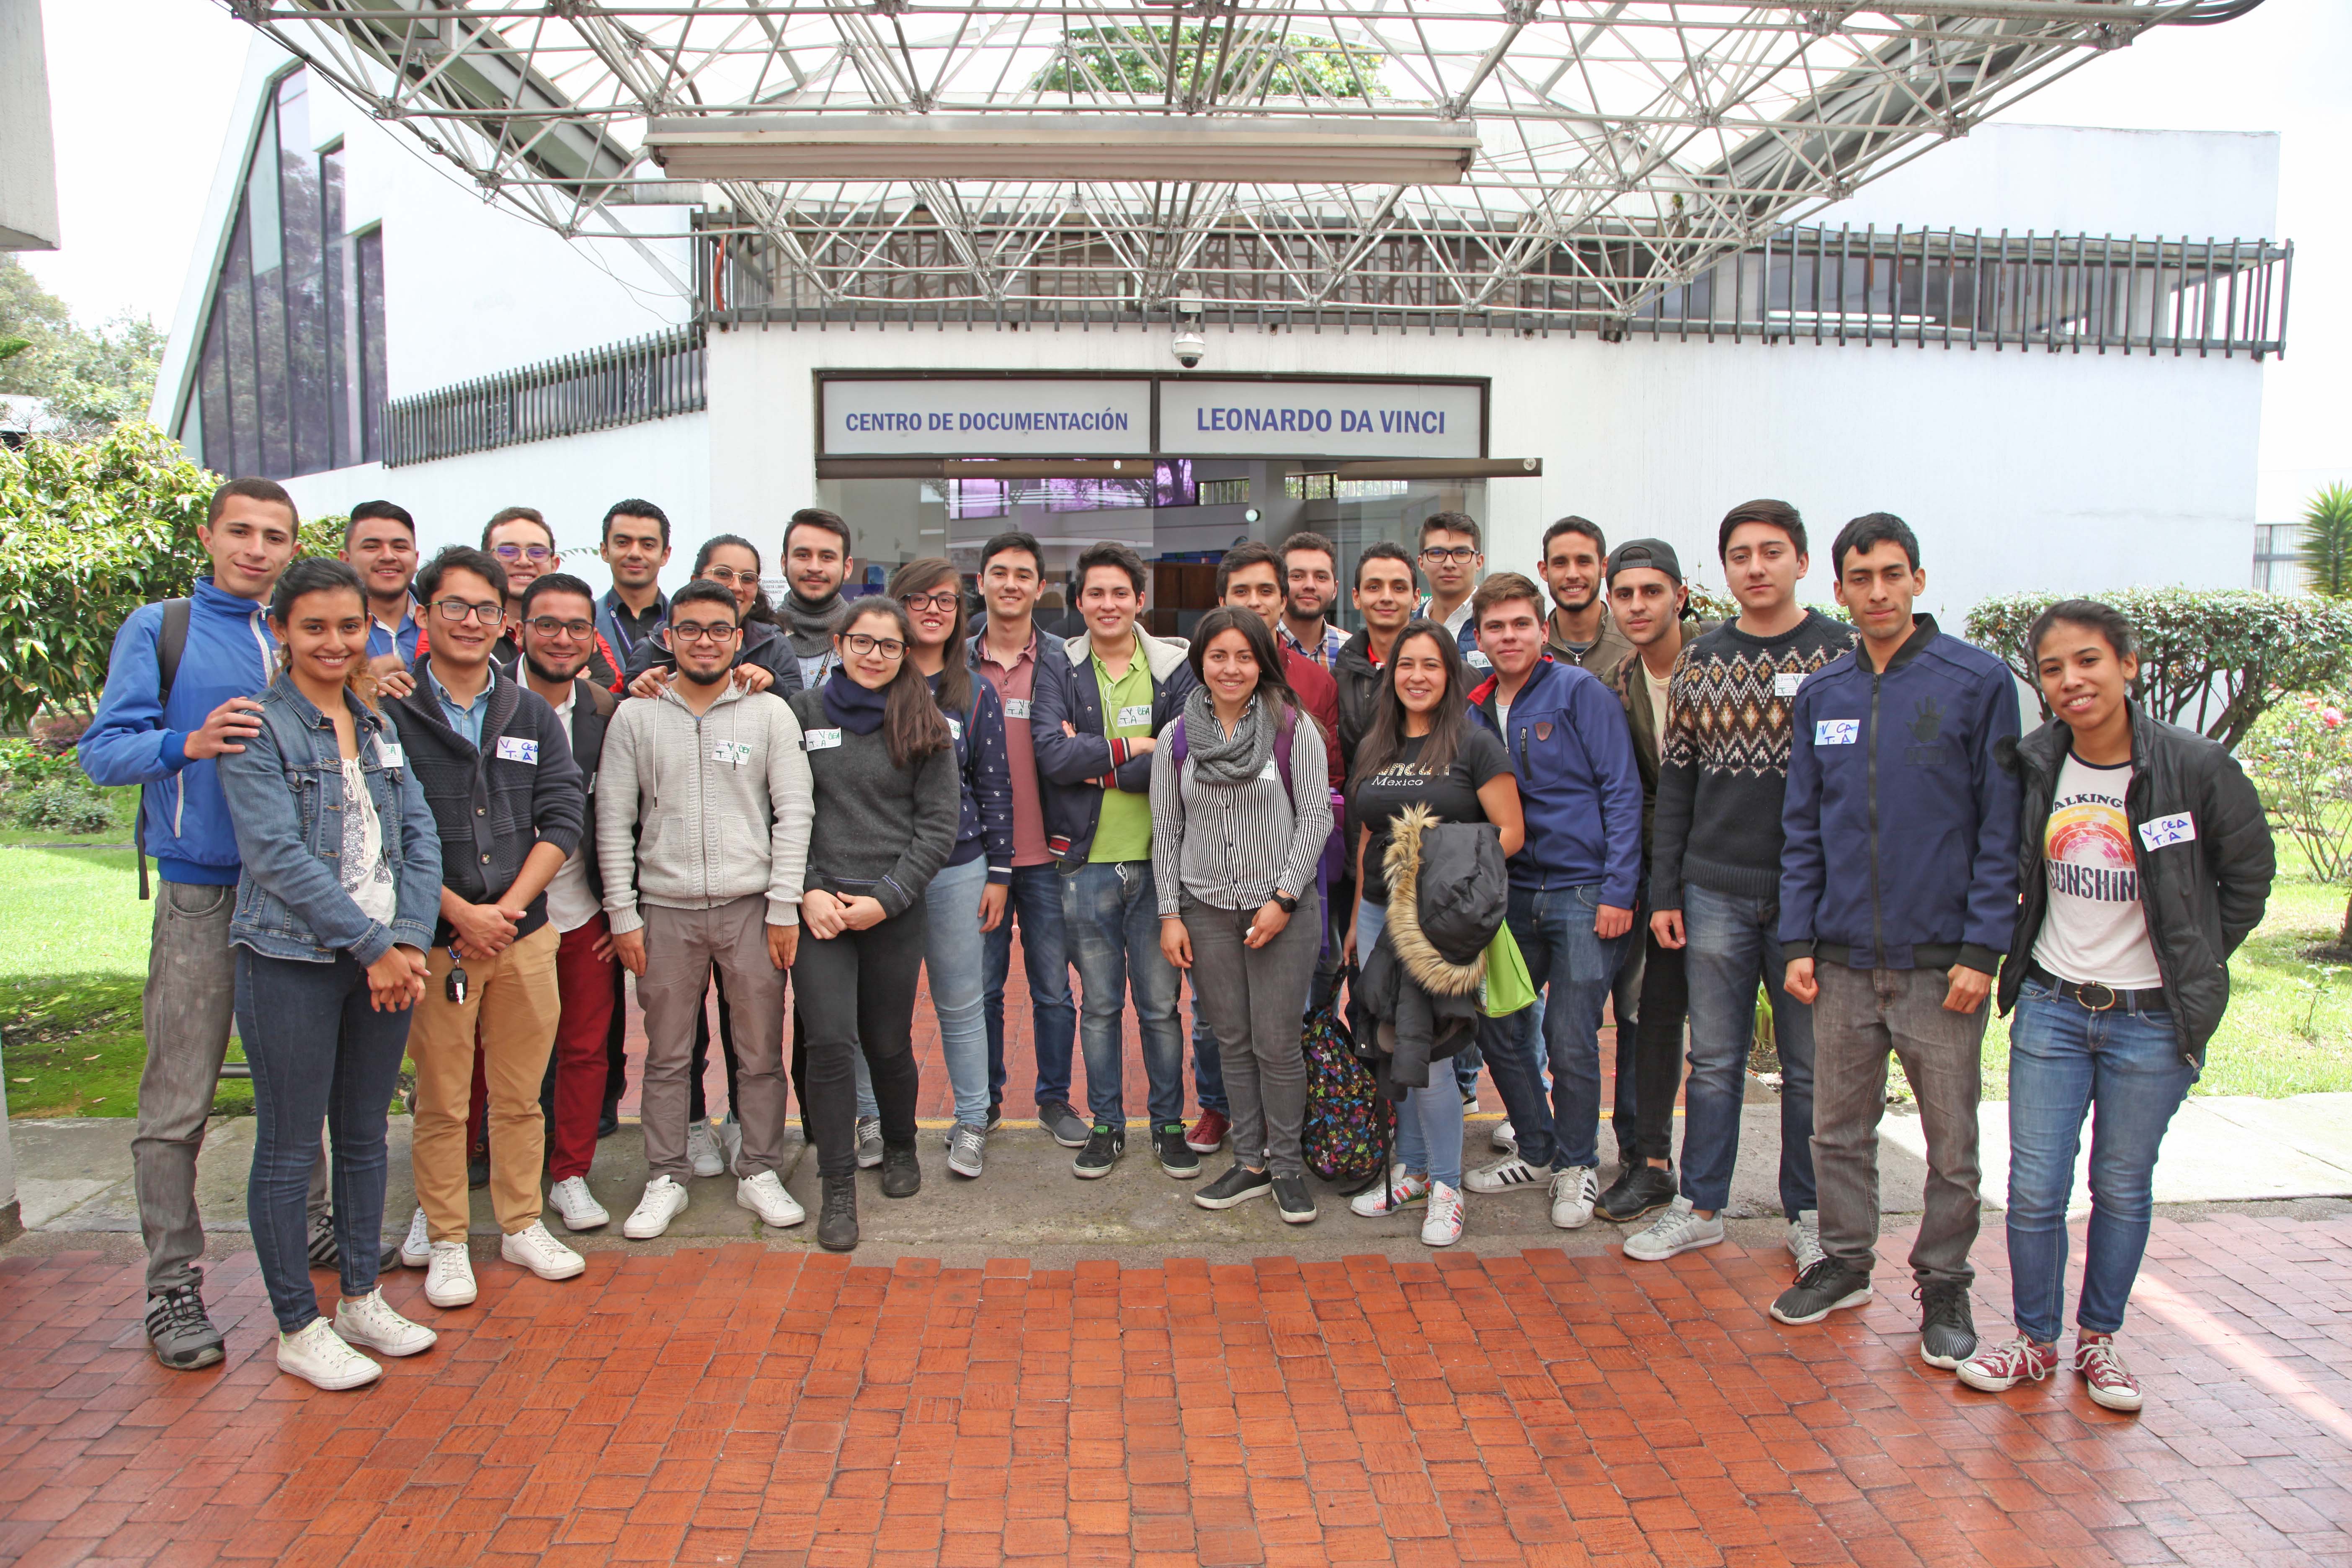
[[1095, 713]]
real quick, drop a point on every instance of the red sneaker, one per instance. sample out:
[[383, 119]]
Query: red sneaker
[[2108, 1380], [1997, 1368], [1207, 1135]]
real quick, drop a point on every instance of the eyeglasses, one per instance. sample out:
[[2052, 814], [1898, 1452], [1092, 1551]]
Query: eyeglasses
[[548, 627], [860, 643], [701, 631], [1461, 553], [730, 576], [455, 612], [521, 551], [945, 599]]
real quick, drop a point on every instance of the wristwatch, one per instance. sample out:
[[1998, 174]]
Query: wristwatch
[[1289, 905]]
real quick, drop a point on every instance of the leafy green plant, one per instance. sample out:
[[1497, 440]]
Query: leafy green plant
[[2300, 756], [1247, 62], [61, 806], [88, 378], [2326, 546], [2211, 659]]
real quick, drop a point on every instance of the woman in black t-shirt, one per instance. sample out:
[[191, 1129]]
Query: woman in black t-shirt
[[1423, 749]]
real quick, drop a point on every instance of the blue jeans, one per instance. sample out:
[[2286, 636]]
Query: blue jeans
[[1575, 968], [951, 963], [1734, 944], [2064, 1061], [1428, 1121], [321, 1054], [1208, 1067], [1111, 911], [1037, 902]]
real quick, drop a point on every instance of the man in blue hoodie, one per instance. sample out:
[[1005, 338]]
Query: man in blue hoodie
[[166, 741], [1898, 893], [1573, 885]]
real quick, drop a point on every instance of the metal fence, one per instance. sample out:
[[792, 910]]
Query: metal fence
[[621, 383]]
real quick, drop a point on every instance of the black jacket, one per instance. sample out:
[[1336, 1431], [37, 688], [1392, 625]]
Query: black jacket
[[2202, 895], [1419, 994], [1359, 680], [493, 809], [591, 714]]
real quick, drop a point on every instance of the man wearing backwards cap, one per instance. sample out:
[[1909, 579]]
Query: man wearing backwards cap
[[1647, 604]]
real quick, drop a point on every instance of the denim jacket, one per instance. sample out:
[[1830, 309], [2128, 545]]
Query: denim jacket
[[285, 792]]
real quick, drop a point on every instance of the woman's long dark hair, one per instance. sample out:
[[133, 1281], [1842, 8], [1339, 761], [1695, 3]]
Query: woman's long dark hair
[[761, 610], [921, 577], [912, 725], [1252, 625], [1447, 725], [320, 575]]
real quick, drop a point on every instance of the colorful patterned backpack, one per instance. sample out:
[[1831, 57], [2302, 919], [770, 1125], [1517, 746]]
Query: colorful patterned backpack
[[1347, 1133]]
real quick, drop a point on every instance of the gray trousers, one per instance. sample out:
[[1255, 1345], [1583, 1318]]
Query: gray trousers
[[190, 998], [1863, 1014], [1255, 999], [681, 948]]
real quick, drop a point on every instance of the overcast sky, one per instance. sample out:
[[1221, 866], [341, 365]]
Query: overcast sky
[[141, 95]]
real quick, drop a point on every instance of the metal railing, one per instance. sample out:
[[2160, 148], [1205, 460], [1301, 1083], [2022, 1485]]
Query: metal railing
[[621, 383]]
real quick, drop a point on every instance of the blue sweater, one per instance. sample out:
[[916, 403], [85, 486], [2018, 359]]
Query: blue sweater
[[1573, 753], [134, 739], [1895, 771]]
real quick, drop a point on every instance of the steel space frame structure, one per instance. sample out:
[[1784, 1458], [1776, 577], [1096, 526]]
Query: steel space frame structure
[[1629, 144]]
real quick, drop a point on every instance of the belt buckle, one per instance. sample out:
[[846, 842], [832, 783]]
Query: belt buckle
[[2082, 995]]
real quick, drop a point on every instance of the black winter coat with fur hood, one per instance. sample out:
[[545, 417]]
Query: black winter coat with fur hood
[[1423, 984]]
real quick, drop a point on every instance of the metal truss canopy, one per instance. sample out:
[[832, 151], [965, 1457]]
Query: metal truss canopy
[[1691, 127]]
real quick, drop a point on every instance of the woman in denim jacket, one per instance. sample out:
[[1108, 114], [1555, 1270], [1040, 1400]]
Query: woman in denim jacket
[[341, 882]]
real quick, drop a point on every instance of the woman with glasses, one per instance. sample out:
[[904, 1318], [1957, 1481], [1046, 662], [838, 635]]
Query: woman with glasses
[[888, 800], [732, 562]]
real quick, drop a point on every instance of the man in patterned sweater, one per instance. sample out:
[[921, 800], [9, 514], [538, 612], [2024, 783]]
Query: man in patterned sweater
[[1714, 871]]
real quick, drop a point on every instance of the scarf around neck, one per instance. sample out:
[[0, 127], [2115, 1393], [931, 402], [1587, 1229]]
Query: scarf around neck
[[811, 627], [854, 708], [1220, 758]]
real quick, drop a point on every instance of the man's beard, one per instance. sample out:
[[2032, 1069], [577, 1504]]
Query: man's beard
[[695, 676], [1590, 599], [552, 676], [1298, 612]]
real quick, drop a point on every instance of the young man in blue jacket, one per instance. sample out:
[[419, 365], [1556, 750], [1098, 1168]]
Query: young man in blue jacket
[[168, 743], [1898, 894], [1097, 708], [1573, 883]]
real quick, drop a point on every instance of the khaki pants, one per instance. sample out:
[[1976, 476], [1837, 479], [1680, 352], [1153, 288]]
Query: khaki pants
[[514, 1001], [682, 946]]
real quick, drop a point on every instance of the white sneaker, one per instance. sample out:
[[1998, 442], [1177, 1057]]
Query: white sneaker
[[369, 1320], [416, 1247], [1505, 1175], [702, 1149], [1404, 1190], [451, 1283], [318, 1356], [1805, 1239], [1442, 1225], [1573, 1193], [1504, 1137], [1676, 1231], [764, 1196], [663, 1201], [577, 1205], [541, 1253]]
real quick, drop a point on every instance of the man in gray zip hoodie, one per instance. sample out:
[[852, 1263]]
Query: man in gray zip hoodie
[[702, 830]]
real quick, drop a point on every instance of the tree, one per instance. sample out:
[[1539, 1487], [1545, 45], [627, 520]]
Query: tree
[[2326, 542], [1133, 61], [88, 378]]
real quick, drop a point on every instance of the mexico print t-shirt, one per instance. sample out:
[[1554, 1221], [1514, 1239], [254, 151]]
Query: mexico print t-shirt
[[2096, 929]]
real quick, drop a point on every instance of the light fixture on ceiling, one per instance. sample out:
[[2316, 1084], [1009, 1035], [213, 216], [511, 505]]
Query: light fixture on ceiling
[[1132, 147]]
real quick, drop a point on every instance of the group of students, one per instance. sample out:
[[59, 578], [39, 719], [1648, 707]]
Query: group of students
[[438, 812]]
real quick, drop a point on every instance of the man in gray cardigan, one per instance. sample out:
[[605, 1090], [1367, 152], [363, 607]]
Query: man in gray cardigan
[[690, 881]]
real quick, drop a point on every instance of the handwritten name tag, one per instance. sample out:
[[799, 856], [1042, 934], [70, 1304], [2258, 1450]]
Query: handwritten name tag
[[1016, 707], [1128, 718], [2166, 830], [734, 754], [1836, 731], [515, 749], [1479, 660], [1785, 684], [1270, 771], [821, 740], [955, 726], [389, 755]]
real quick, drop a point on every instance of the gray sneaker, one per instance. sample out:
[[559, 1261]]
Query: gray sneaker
[[183, 1337], [1064, 1125], [966, 1149], [869, 1142]]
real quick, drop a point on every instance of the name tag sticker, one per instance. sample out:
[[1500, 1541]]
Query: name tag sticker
[[2166, 830], [1270, 771], [515, 749], [1129, 718], [734, 754], [1016, 707], [389, 755], [955, 726], [1836, 731], [1479, 660], [821, 740], [1785, 684]]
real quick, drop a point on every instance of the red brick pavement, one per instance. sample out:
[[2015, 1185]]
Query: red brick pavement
[[739, 1404]]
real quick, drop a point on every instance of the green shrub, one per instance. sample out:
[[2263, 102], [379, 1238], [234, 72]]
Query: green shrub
[[62, 806]]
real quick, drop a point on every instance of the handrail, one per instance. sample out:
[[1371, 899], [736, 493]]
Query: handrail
[[651, 377]]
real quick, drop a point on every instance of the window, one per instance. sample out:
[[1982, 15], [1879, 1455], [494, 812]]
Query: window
[[1225, 492], [290, 379]]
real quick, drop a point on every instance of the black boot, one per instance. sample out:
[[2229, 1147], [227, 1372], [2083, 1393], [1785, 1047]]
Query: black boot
[[836, 1224], [902, 1173]]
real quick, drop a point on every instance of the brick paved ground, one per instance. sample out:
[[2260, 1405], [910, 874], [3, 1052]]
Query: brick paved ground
[[736, 1405]]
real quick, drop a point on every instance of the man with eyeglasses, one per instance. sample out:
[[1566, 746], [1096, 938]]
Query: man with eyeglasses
[[702, 832], [559, 632], [1453, 559], [519, 539], [497, 769]]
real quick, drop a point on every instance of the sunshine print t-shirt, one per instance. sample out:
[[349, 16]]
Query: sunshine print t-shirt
[[2097, 931]]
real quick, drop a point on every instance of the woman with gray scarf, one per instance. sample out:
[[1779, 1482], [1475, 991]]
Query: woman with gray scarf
[[1240, 810]]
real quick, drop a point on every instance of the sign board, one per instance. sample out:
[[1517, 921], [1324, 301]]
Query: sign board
[[1321, 418], [992, 418]]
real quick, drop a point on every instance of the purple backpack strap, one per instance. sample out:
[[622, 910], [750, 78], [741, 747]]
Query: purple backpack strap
[[1176, 747]]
